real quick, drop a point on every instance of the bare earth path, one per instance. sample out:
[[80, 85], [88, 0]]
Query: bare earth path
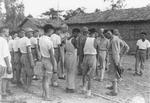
[[128, 88]]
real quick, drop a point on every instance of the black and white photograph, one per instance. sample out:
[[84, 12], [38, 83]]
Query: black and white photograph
[[74, 51]]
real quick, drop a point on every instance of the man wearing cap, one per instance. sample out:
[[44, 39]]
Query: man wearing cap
[[142, 52], [64, 35], [103, 46], [89, 62], [49, 65], [26, 58], [81, 42]]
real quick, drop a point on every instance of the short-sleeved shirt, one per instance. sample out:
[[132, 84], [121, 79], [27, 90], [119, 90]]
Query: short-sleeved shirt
[[56, 40], [143, 45], [10, 43], [103, 44], [45, 44], [4, 51], [34, 41], [23, 44], [16, 44]]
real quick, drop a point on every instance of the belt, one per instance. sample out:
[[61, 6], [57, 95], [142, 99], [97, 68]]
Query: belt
[[16, 52], [89, 54], [32, 48], [55, 48], [103, 50], [142, 49]]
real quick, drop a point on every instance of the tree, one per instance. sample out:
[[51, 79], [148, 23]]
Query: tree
[[97, 10], [71, 13], [14, 13], [52, 13], [116, 4]]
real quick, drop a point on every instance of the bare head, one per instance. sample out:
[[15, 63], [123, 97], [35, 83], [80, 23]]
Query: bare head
[[4, 31]]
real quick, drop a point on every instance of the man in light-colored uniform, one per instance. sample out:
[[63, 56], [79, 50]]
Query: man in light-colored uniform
[[103, 46], [16, 59], [5, 61], [49, 65], [116, 45], [27, 62], [56, 40], [142, 52], [64, 35], [89, 62]]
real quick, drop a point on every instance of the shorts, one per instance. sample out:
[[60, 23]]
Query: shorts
[[26, 67], [57, 54], [46, 66], [89, 61], [4, 74]]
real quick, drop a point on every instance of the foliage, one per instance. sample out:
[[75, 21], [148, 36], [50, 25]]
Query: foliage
[[52, 13], [71, 13], [97, 10], [116, 4], [14, 13]]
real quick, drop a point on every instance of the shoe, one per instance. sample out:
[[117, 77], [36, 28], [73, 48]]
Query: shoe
[[135, 74], [141, 73], [55, 84], [110, 87], [70, 90], [35, 77], [89, 94], [111, 94]]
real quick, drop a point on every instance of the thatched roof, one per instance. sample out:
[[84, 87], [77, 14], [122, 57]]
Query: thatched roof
[[35, 23], [137, 14]]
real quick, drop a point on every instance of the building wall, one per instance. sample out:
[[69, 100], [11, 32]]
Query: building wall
[[129, 30]]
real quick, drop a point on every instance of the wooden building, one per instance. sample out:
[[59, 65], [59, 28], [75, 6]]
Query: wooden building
[[130, 22]]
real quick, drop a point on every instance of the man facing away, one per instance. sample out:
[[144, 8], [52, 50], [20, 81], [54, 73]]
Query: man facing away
[[49, 65], [116, 45], [89, 62], [27, 62], [142, 52]]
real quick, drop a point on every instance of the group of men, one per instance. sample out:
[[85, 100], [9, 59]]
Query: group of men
[[85, 52]]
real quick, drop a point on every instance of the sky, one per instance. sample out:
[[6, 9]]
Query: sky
[[36, 7]]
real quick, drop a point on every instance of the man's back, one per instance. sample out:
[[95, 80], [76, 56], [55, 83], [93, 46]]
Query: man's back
[[45, 45]]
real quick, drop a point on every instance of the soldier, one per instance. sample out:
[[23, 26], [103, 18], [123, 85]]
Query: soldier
[[81, 42], [27, 62], [35, 50], [71, 60], [5, 62], [103, 46], [56, 40], [49, 65], [114, 72], [142, 52], [89, 62], [64, 35], [16, 58]]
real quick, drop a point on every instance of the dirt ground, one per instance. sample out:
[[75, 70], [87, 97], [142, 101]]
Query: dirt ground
[[129, 87]]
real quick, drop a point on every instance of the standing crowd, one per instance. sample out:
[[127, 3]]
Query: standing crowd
[[86, 52]]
